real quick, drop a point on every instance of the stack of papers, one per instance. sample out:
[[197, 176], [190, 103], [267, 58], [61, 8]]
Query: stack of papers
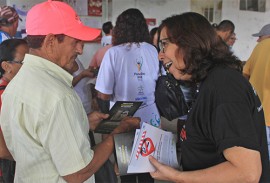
[[133, 150]]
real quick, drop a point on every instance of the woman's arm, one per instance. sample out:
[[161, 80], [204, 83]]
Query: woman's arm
[[242, 165]]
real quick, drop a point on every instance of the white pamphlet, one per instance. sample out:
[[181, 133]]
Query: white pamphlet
[[156, 142]]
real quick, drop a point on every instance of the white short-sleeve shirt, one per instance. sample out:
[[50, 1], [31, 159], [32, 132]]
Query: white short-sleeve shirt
[[106, 40], [129, 73]]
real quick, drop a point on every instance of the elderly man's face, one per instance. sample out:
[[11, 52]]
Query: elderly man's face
[[67, 51]]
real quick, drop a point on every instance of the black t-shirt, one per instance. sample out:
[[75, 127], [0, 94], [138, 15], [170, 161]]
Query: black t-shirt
[[227, 113]]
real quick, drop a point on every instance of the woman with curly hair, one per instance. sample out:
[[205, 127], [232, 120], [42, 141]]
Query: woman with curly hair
[[224, 138], [129, 71]]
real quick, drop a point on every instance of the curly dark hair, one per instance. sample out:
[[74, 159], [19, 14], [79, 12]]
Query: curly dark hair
[[196, 39], [131, 28]]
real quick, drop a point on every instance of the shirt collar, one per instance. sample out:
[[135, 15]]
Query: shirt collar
[[50, 67]]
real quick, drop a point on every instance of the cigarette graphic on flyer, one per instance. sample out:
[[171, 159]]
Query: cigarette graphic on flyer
[[153, 141]]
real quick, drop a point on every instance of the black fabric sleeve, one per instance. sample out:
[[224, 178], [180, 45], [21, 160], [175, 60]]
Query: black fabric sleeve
[[234, 126]]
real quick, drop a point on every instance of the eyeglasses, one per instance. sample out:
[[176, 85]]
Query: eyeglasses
[[163, 43], [16, 62]]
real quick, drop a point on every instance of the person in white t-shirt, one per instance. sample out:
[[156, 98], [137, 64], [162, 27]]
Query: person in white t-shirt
[[129, 71], [107, 28]]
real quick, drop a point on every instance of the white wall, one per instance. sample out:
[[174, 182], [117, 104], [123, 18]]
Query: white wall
[[159, 9], [2, 2], [246, 23]]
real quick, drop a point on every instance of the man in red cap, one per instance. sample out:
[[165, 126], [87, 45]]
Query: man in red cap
[[43, 121], [9, 19]]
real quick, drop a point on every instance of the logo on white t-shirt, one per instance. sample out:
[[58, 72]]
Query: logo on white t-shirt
[[140, 90], [155, 120], [139, 64]]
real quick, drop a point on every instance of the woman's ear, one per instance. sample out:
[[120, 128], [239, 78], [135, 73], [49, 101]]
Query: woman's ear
[[6, 66]]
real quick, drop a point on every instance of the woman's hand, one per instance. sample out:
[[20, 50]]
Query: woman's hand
[[163, 172]]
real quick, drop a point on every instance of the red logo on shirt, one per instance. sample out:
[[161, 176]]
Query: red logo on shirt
[[183, 134]]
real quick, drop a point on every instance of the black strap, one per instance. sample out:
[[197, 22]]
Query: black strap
[[2, 87], [160, 67]]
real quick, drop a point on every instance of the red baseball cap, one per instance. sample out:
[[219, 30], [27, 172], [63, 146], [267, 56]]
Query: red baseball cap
[[55, 17]]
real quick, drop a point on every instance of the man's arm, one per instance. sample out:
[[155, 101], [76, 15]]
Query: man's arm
[[242, 165], [102, 151], [103, 101], [83, 74], [94, 61], [4, 152]]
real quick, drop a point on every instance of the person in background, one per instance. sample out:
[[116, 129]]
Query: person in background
[[43, 120], [154, 36], [224, 138], [107, 28], [80, 83], [94, 65], [257, 71], [12, 53], [129, 71], [154, 39], [9, 20], [263, 34], [231, 40], [106, 43], [98, 56], [224, 30]]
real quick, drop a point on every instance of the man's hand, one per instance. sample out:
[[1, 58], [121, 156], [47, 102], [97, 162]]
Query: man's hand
[[87, 73], [95, 117], [127, 124]]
